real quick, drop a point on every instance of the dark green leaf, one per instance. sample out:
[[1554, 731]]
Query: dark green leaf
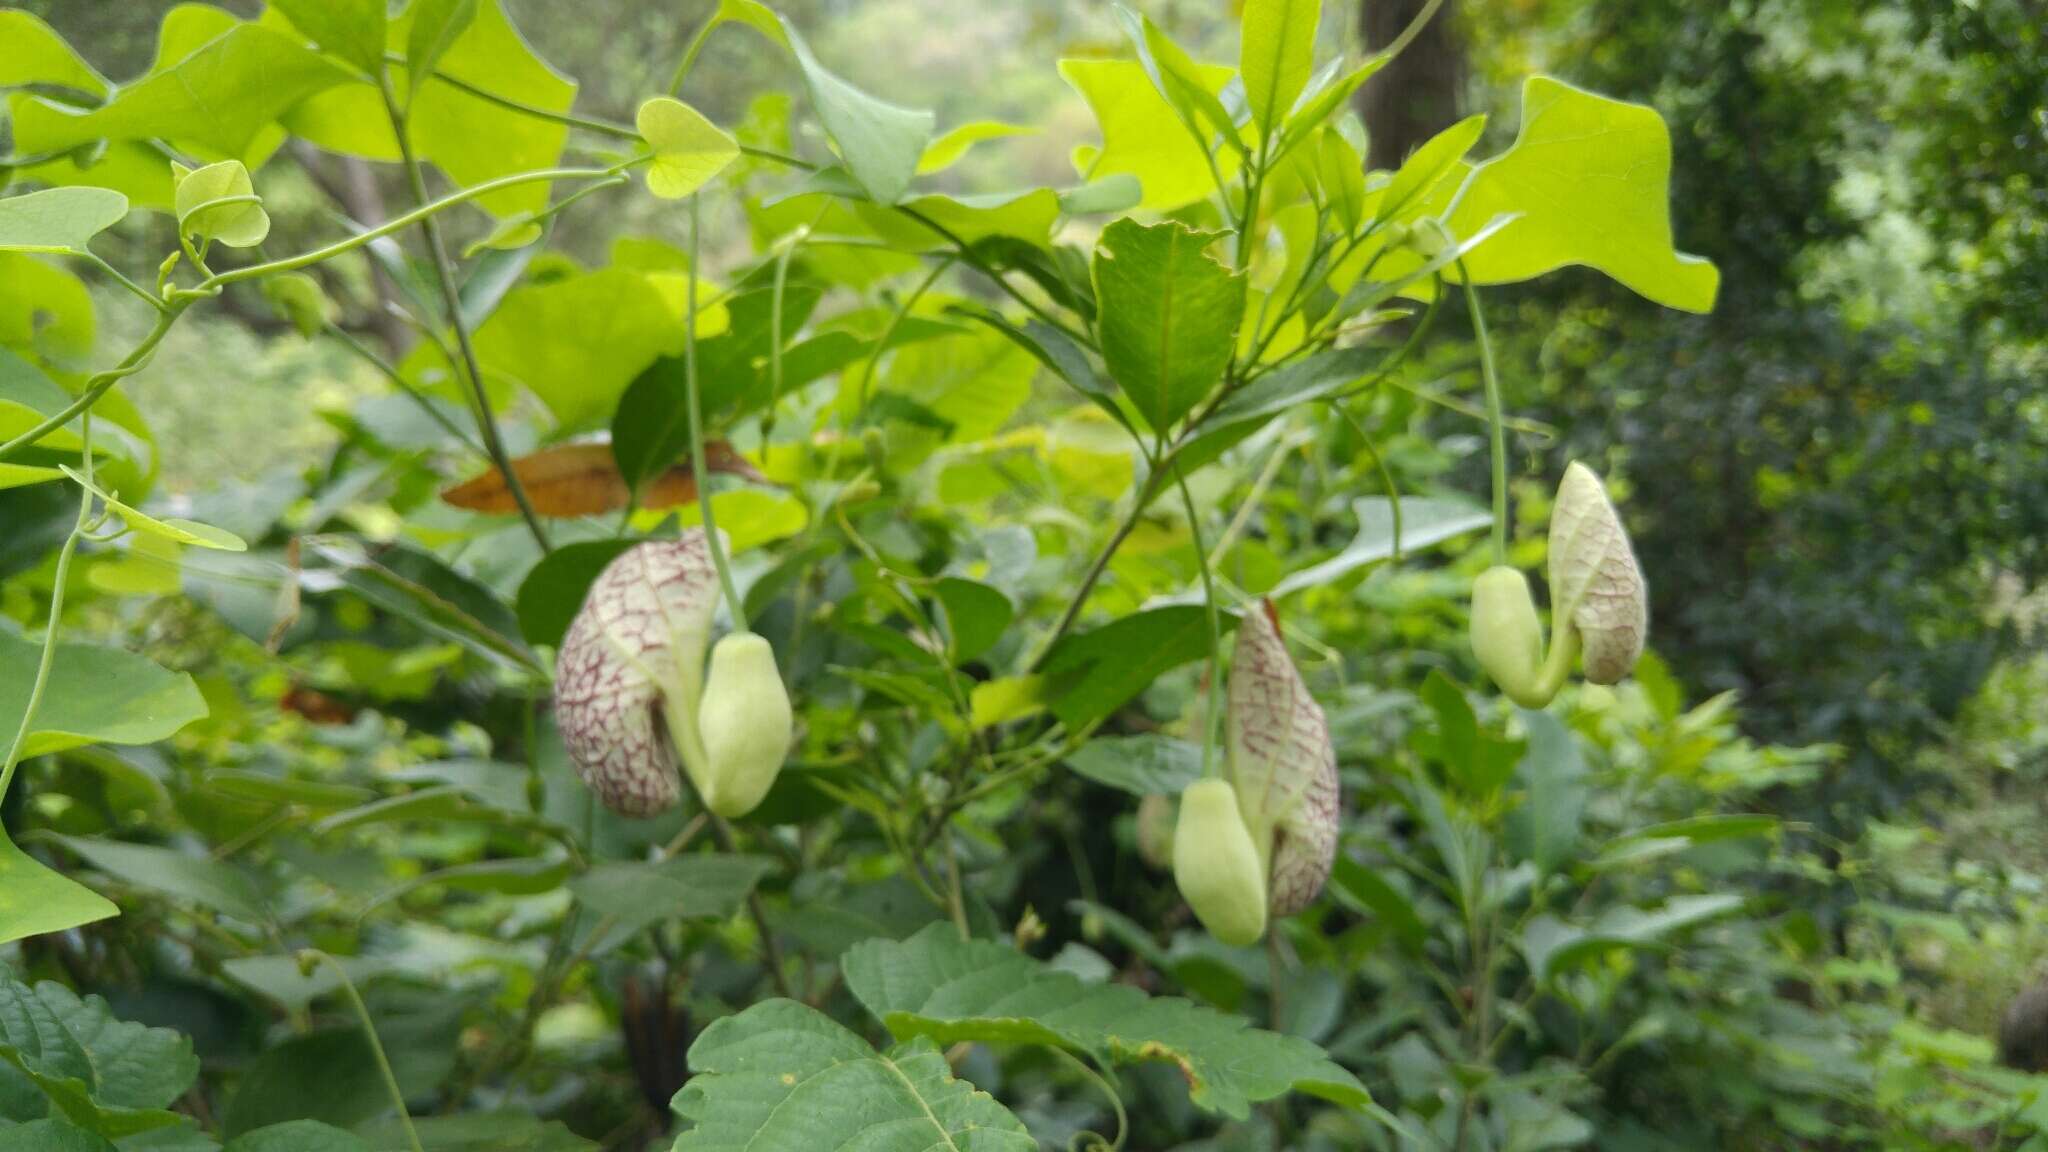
[[976, 616], [1102, 669], [553, 591], [214, 884], [1169, 316], [1144, 765]]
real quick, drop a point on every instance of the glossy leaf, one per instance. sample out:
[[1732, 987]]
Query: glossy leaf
[[58, 219], [1169, 316], [1276, 55], [938, 986], [880, 142], [1591, 178], [783, 1075]]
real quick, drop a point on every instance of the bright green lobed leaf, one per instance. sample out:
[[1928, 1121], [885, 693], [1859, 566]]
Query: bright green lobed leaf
[[1141, 136], [35, 899], [938, 986], [351, 29], [1591, 178], [36, 54], [949, 148]]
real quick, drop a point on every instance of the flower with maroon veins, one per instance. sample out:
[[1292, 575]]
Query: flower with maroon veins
[[631, 698], [1283, 765]]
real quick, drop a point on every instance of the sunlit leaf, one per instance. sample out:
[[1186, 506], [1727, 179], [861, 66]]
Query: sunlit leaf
[[1141, 136], [880, 142], [350, 29], [949, 148], [35, 899], [58, 219], [1276, 55], [688, 149]]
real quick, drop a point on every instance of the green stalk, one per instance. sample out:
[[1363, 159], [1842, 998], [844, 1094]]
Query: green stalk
[[451, 297], [362, 1011], [1211, 713], [98, 385], [691, 394], [1496, 425], [49, 656]]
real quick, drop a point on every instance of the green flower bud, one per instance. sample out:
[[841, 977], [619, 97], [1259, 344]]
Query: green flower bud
[[1216, 865], [745, 723], [1507, 637]]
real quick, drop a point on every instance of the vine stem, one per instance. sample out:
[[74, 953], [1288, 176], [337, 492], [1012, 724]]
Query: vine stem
[[1497, 427], [98, 385], [49, 656], [1413, 29], [1108, 1089], [451, 298], [1211, 714], [699, 474], [355, 1000]]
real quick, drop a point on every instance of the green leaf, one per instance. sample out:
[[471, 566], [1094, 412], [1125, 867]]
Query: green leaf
[[329, 1076], [174, 529], [578, 341], [1304, 121], [1425, 521], [481, 1131], [1553, 946], [1140, 134], [1545, 828], [1276, 54], [1365, 890], [58, 219], [1427, 166], [103, 1074], [1143, 765], [436, 26], [1591, 178], [1114, 193], [210, 883], [297, 1136], [688, 149], [948, 149], [35, 899], [1315, 378], [22, 475], [553, 591], [417, 587], [1182, 82], [783, 1075], [282, 980], [1101, 669], [636, 896], [880, 142], [219, 97], [95, 695], [36, 54], [1341, 171], [350, 29], [938, 986], [976, 616], [1169, 316], [218, 202], [51, 1135]]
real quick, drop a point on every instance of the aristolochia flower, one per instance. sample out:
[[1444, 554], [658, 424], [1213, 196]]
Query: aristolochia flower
[[631, 696], [1283, 765], [1594, 580]]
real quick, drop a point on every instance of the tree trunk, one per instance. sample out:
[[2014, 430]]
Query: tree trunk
[[1417, 95]]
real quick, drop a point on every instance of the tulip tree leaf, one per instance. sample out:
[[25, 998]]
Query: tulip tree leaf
[[939, 987], [1169, 316], [58, 219], [1141, 135], [784, 1075], [688, 149], [1591, 178]]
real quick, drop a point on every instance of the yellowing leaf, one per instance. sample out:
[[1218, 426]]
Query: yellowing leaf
[[688, 149], [583, 480]]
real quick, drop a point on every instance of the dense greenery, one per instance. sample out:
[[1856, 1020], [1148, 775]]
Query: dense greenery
[[357, 792]]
